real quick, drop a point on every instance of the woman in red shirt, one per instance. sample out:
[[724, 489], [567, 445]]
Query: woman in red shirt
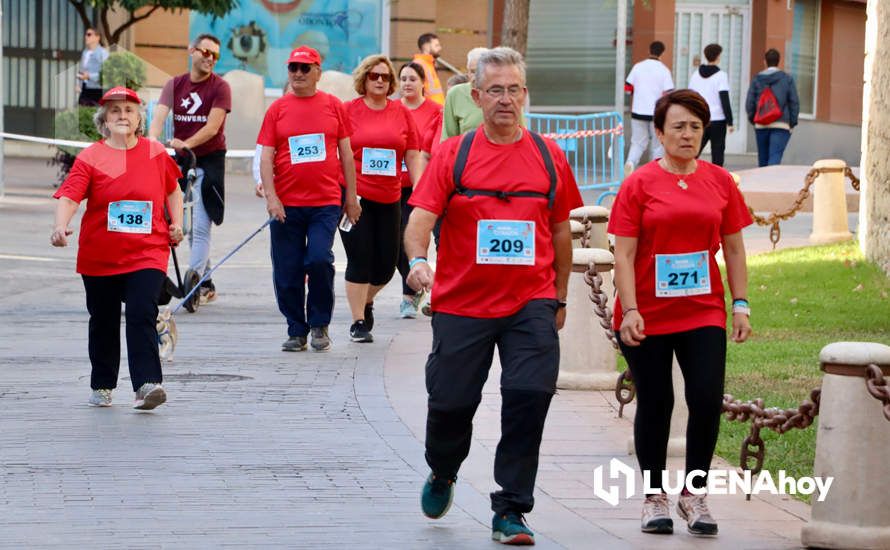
[[129, 183], [670, 218], [424, 112], [384, 134]]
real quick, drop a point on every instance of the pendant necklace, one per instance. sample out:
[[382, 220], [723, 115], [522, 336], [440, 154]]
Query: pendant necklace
[[681, 183]]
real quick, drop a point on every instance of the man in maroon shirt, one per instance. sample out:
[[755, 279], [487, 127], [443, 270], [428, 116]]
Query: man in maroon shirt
[[200, 101]]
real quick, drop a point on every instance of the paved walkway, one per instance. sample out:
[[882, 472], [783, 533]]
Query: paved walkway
[[258, 448]]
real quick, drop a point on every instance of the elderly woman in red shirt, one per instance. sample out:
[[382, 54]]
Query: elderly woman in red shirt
[[129, 183], [670, 218]]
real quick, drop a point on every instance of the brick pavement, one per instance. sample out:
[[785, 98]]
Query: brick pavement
[[307, 450]]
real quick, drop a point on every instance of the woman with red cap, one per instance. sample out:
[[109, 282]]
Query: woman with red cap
[[384, 134], [130, 183]]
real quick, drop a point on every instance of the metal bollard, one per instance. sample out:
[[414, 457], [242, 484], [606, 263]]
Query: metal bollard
[[586, 356], [594, 219], [830, 223], [852, 446]]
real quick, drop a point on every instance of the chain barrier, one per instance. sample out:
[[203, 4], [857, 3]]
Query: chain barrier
[[877, 387], [775, 232]]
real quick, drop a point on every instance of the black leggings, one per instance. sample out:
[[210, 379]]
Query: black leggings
[[372, 246], [403, 258], [701, 354]]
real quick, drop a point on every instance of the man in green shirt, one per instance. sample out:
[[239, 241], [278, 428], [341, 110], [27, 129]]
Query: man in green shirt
[[461, 114]]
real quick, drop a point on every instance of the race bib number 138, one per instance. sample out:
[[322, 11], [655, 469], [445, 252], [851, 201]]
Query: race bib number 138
[[129, 217]]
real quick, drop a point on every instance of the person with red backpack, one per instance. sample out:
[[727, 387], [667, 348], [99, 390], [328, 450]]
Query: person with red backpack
[[772, 106]]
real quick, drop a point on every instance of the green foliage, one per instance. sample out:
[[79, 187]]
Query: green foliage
[[76, 125], [123, 68]]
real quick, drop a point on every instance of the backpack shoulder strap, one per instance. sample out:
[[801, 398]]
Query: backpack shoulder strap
[[463, 154], [548, 163]]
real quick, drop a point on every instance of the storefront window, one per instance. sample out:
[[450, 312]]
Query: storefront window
[[803, 51]]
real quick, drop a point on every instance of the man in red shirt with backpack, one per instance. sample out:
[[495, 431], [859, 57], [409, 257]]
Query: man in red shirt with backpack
[[772, 106]]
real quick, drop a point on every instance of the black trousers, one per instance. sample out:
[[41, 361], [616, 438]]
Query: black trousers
[[372, 246], [139, 290], [456, 370], [701, 354], [715, 132], [403, 258], [89, 96]]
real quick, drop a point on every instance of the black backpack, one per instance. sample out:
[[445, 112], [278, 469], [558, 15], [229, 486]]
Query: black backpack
[[461, 162]]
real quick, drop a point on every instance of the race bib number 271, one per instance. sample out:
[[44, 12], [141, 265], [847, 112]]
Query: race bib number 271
[[682, 274]]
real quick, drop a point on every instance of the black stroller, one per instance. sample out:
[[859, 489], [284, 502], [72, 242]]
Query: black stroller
[[182, 286]]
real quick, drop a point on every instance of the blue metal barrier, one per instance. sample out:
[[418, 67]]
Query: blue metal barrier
[[593, 144], [167, 134]]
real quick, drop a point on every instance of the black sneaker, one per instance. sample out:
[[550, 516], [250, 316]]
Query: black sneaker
[[359, 332], [294, 343], [369, 316], [207, 292]]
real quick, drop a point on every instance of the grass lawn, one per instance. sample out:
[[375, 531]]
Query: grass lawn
[[801, 299]]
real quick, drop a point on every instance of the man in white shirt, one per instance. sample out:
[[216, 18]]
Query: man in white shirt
[[713, 85], [648, 81]]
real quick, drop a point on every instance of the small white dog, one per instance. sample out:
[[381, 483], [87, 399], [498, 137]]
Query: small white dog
[[167, 334]]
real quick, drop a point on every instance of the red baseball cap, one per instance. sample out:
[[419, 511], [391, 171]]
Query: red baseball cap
[[120, 93], [304, 54]]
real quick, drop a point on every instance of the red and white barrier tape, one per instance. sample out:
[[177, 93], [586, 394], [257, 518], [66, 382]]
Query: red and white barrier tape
[[617, 131]]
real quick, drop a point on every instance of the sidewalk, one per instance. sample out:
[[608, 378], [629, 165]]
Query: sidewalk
[[258, 448]]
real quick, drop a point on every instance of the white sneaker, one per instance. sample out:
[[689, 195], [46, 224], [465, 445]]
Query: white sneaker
[[657, 515], [149, 396], [100, 398], [694, 509]]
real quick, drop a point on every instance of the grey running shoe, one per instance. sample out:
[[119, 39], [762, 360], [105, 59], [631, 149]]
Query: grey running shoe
[[100, 398], [294, 343], [407, 309], [694, 509], [149, 396], [207, 292], [320, 339], [359, 332], [657, 515]]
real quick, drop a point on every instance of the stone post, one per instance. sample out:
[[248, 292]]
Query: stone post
[[830, 205], [594, 219], [578, 231], [852, 446], [586, 355]]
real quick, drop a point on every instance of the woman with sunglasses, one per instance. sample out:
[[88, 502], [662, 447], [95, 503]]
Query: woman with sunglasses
[[91, 60], [384, 134], [424, 111]]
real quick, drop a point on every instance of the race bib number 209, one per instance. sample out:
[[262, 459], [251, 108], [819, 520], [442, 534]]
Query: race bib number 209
[[506, 242]]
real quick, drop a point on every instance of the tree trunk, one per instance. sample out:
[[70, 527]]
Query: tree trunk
[[514, 33]]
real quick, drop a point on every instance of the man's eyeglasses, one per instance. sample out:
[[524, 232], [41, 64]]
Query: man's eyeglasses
[[208, 53], [301, 67], [497, 92], [385, 77]]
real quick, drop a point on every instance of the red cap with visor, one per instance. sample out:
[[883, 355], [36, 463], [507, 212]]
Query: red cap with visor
[[120, 93], [304, 54]]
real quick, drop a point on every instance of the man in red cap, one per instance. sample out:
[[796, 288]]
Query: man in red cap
[[200, 101], [305, 153]]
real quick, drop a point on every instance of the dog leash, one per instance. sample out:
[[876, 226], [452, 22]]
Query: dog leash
[[219, 263]]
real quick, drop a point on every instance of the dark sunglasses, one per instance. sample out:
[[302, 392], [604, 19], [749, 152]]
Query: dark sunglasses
[[301, 67], [208, 53], [379, 76], [90, 33]]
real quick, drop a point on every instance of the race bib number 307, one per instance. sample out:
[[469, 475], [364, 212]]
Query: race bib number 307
[[129, 217], [682, 274], [306, 148], [378, 162], [507, 242]]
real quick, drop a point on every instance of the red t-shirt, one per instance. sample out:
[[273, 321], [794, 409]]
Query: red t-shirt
[[103, 175], [391, 129], [667, 219], [489, 290], [425, 113], [432, 135], [191, 103], [307, 173]]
